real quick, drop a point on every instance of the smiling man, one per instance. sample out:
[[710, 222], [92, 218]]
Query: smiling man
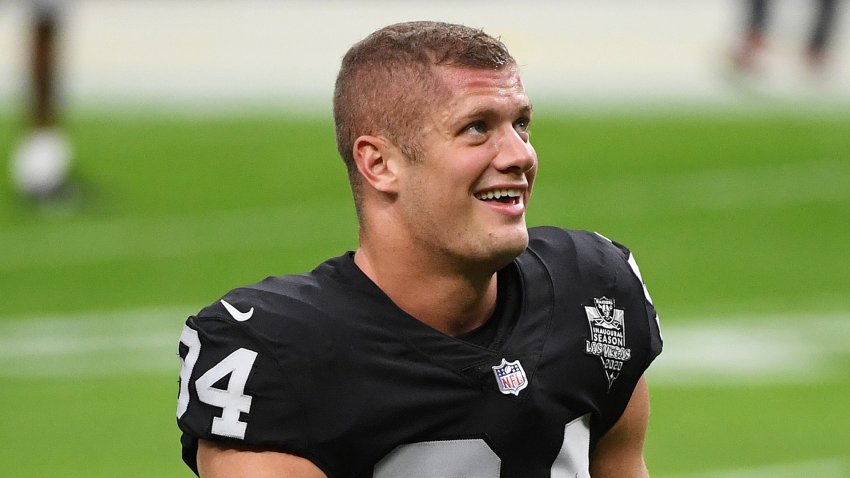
[[454, 341]]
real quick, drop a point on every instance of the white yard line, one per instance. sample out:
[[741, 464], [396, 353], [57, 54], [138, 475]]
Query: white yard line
[[752, 350], [711, 351], [87, 345], [827, 468]]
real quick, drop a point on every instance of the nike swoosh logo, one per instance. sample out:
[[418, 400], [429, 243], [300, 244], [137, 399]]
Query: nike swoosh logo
[[240, 316]]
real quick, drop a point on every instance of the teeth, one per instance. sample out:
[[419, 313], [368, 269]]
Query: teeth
[[499, 193]]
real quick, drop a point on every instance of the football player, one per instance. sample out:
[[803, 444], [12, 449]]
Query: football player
[[454, 341], [749, 55]]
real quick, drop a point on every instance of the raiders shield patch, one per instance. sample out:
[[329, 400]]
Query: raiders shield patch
[[607, 336]]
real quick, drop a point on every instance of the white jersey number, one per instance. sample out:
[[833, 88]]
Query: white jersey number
[[473, 458], [467, 458], [232, 400]]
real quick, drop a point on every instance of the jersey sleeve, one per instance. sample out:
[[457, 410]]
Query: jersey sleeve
[[655, 337], [626, 275], [651, 314], [234, 390], [592, 270]]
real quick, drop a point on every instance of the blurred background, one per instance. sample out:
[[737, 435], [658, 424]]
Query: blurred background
[[156, 154]]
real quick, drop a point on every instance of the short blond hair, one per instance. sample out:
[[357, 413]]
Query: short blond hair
[[387, 82]]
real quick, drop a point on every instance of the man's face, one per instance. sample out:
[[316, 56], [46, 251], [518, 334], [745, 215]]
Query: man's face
[[466, 197]]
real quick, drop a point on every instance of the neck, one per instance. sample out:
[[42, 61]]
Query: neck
[[444, 296]]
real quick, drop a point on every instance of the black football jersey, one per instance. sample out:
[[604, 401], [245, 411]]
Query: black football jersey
[[324, 365]]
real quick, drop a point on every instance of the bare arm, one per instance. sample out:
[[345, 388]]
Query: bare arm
[[216, 461], [619, 453]]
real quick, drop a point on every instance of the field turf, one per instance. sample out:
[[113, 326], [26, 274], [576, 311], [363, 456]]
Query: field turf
[[740, 220]]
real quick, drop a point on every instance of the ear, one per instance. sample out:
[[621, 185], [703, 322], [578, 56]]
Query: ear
[[377, 159]]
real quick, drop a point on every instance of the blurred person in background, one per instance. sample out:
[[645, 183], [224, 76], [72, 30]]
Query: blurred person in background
[[748, 55], [41, 163]]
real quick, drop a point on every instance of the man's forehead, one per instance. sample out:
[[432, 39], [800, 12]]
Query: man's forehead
[[467, 78], [475, 88]]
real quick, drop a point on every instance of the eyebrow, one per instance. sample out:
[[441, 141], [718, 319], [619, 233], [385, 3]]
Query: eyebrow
[[488, 111]]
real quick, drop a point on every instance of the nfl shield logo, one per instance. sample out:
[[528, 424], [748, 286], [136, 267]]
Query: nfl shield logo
[[510, 376]]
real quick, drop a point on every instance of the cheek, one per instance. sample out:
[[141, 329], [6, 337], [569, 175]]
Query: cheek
[[531, 174], [474, 166]]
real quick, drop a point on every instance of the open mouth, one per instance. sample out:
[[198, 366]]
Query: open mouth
[[505, 196]]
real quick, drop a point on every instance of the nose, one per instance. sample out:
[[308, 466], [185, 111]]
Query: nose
[[515, 153]]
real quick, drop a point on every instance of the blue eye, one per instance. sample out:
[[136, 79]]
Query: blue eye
[[522, 124], [477, 127]]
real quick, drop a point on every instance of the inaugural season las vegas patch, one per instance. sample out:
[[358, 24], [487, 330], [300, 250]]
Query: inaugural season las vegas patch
[[607, 336]]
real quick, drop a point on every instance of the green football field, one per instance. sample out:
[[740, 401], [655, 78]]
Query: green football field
[[740, 221]]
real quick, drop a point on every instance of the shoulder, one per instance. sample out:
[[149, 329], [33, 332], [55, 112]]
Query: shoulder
[[268, 302], [285, 322], [278, 306], [584, 249], [556, 237], [248, 317], [248, 361], [593, 266], [578, 255]]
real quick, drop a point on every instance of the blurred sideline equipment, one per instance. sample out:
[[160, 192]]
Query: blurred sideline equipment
[[41, 162]]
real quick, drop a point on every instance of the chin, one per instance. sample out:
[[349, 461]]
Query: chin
[[492, 248], [509, 246]]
